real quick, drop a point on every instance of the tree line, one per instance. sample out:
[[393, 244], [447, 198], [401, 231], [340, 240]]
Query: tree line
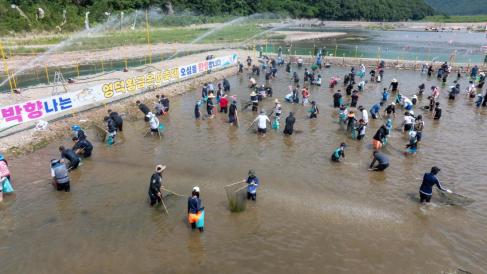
[[369, 10]]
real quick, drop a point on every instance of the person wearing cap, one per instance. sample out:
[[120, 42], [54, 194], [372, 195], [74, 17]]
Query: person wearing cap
[[255, 101], [430, 180], [290, 120], [78, 132], [224, 104], [314, 110], [117, 119], [232, 113], [390, 110], [155, 194], [210, 106], [262, 121], [339, 152], [60, 176], [394, 85], [69, 154], [145, 109], [196, 210], [82, 147], [252, 185], [382, 159]]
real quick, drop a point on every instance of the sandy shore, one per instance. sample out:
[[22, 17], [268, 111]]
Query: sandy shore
[[292, 36]]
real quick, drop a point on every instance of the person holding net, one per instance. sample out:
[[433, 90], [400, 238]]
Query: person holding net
[[252, 185]]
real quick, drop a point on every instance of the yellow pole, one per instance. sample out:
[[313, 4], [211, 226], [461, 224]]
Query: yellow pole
[[77, 69], [148, 35], [6, 67], [47, 73], [14, 81]]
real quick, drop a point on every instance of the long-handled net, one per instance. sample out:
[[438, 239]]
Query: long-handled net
[[237, 196], [455, 199]]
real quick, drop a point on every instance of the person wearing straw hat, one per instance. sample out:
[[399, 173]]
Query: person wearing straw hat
[[155, 194], [196, 212], [394, 85], [210, 106]]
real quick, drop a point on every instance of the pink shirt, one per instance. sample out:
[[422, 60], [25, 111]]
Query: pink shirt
[[4, 169]]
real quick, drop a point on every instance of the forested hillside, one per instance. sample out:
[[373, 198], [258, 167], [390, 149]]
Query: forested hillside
[[459, 7], [26, 15]]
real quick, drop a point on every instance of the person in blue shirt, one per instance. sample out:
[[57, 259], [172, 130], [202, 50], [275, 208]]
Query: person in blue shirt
[[375, 110], [385, 95], [253, 183], [429, 180]]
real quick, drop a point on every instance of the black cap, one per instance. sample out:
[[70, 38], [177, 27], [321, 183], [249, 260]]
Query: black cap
[[435, 170]]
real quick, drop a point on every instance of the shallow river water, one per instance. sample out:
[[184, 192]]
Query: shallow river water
[[311, 216]]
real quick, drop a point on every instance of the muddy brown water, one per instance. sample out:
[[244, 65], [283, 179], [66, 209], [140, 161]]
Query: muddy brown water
[[311, 216]]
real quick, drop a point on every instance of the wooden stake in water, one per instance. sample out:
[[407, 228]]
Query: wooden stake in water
[[6, 67], [47, 73], [77, 69], [148, 36]]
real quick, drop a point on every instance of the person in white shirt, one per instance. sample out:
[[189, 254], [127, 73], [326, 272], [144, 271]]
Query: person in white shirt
[[153, 123], [277, 109], [365, 114], [408, 122], [262, 121]]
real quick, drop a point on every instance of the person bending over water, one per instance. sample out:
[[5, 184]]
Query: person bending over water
[[430, 180], [339, 152], [290, 120], [382, 159], [69, 154]]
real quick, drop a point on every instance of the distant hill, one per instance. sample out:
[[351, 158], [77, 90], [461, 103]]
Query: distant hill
[[459, 7]]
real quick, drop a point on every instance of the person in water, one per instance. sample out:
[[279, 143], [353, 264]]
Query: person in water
[[153, 123], [155, 192], [437, 111], [60, 176], [412, 146], [195, 210], [380, 137], [337, 99], [290, 120], [313, 111], [339, 152], [232, 113], [82, 147], [210, 106], [375, 110], [382, 159], [197, 111], [4, 170], [262, 121], [252, 185], [394, 85], [112, 128], [144, 109], [78, 132], [69, 154], [418, 127], [117, 119], [430, 180]]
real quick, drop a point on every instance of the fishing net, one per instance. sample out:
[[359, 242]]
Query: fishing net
[[101, 134], [237, 196], [455, 199]]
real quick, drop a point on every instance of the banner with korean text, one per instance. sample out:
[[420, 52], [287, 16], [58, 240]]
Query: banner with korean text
[[47, 108]]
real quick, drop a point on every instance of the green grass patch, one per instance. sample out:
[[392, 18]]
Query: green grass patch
[[456, 19]]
